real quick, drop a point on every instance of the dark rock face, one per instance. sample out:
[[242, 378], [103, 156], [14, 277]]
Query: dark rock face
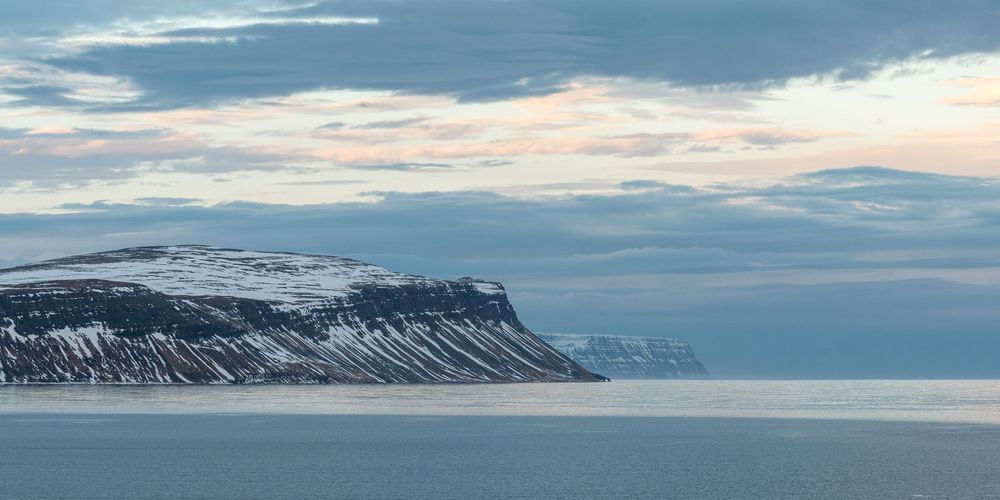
[[629, 357], [209, 315]]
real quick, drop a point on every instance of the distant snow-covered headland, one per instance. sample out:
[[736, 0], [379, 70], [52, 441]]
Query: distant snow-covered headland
[[198, 314]]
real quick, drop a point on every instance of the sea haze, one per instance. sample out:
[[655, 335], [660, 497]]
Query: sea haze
[[955, 401]]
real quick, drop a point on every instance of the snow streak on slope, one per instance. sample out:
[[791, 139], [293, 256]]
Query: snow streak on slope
[[209, 315]]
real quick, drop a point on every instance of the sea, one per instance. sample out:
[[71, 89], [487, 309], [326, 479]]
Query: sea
[[622, 439]]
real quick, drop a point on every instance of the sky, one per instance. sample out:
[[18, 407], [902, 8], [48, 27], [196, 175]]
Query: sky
[[798, 189]]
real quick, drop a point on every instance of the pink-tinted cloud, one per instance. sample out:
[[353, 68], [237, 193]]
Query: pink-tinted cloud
[[982, 92], [573, 96]]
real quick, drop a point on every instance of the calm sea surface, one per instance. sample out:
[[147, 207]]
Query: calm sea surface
[[624, 439]]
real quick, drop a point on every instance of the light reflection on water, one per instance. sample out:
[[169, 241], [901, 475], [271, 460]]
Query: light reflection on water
[[910, 400]]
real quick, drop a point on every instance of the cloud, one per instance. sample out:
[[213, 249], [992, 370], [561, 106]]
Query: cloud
[[827, 273], [485, 50], [46, 95], [80, 156], [983, 92], [108, 22], [24, 83], [767, 136], [640, 184], [13, 133], [628, 145], [391, 124], [832, 223], [332, 125], [166, 202], [402, 166]]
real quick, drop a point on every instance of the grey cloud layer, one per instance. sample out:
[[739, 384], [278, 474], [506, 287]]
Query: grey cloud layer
[[894, 273], [492, 50]]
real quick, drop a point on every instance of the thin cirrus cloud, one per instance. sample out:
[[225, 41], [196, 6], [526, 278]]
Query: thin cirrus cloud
[[488, 50]]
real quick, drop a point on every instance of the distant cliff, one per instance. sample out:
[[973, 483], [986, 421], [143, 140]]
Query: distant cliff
[[195, 314], [629, 357]]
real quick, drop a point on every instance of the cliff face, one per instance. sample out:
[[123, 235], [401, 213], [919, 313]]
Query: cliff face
[[629, 357], [209, 315]]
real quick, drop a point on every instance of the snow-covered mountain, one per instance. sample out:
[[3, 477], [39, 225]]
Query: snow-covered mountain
[[197, 314], [618, 356]]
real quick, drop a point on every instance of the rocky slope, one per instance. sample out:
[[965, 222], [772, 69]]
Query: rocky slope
[[629, 357], [195, 314]]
